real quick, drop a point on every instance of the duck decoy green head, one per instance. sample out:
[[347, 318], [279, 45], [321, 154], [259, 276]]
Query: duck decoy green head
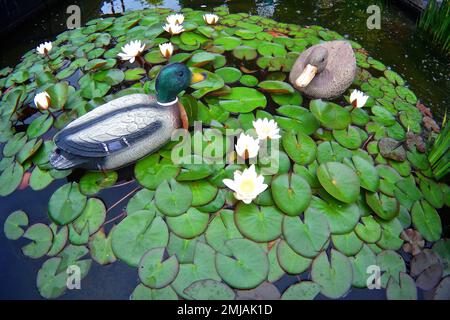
[[315, 63], [172, 79]]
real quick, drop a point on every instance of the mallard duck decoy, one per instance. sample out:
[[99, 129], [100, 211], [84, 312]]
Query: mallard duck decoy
[[125, 129], [324, 71]]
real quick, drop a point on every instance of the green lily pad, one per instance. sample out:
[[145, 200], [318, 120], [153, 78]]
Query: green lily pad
[[307, 237], [291, 193], [59, 239], [51, 283], [100, 248], [136, 234], [229, 74], [14, 223], [260, 224], [368, 230], [348, 243], [40, 179], [173, 198], [339, 181], [367, 173], [220, 229], [92, 217], [290, 261], [66, 204], [42, 239], [273, 86], [11, 178], [155, 271], [333, 275], [330, 115], [242, 99], [245, 53], [203, 192], [426, 220], [305, 290], [342, 217], [188, 225], [92, 182], [209, 290], [247, 268], [432, 192], [391, 265], [384, 206], [39, 126], [203, 268], [360, 264], [142, 292], [300, 147], [151, 171]]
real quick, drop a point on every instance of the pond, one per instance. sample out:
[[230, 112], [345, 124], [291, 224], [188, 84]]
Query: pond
[[397, 45]]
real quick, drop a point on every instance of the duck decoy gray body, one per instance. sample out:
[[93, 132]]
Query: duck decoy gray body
[[324, 71], [125, 129]]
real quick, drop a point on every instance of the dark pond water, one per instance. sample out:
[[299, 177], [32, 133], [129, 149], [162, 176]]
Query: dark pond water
[[397, 45]]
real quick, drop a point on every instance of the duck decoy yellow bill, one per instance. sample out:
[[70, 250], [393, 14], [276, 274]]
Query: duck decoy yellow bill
[[306, 76], [197, 77]]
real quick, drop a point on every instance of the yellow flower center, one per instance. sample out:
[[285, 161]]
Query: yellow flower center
[[247, 186]]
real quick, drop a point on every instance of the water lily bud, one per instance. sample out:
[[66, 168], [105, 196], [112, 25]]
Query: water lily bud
[[175, 18], [247, 147], [42, 100], [166, 49], [211, 18]]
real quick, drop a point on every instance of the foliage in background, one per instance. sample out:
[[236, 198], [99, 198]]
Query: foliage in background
[[435, 20], [440, 154]]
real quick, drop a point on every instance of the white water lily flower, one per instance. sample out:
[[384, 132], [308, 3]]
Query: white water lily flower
[[247, 147], [358, 99], [246, 185], [173, 28], [44, 48], [175, 18], [211, 18], [131, 50], [42, 100], [166, 49], [266, 129]]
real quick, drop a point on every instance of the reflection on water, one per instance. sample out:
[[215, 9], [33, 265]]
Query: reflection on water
[[396, 44]]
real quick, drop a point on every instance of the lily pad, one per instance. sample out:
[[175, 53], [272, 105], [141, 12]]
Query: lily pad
[[209, 290], [333, 275], [307, 237], [66, 204], [340, 181], [173, 198], [300, 147], [405, 289], [142, 292], [155, 271], [291, 193], [190, 224], [242, 99], [247, 268], [330, 115], [14, 223], [100, 248], [137, 234], [92, 182], [305, 290], [260, 224], [426, 220], [42, 239]]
